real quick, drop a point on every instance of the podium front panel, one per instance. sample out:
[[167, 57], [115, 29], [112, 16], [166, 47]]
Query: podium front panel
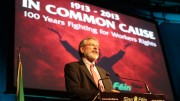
[[106, 96]]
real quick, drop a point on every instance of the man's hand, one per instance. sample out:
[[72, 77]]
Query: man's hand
[[115, 91]]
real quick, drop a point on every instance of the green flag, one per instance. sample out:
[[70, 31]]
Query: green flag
[[20, 89]]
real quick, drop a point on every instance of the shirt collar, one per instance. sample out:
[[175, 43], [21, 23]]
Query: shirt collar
[[87, 62]]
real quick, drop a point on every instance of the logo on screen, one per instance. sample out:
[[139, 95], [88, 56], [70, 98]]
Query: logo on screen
[[121, 86]]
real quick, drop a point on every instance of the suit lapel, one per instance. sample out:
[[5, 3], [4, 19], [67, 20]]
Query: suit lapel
[[86, 71], [102, 76]]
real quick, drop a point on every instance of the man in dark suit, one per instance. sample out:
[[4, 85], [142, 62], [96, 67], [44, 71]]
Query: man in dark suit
[[82, 78]]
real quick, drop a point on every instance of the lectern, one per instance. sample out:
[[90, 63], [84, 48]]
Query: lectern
[[107, 96]]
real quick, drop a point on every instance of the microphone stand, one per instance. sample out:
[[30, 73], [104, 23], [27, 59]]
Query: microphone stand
[[99, 90], [97, 95], [146, 86]]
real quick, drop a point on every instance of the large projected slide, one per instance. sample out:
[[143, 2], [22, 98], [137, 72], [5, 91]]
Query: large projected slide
[[49, 32]]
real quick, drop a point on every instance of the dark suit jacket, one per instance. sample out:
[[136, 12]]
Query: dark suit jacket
[[79, 82]]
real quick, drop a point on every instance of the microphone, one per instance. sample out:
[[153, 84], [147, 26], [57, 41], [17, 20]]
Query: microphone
[[107, 74], [146, 86]]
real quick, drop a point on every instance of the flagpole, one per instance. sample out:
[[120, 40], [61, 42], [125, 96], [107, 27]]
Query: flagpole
[[20, 89], [18, 71]]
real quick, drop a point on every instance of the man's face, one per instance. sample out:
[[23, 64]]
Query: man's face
[[91, 50]]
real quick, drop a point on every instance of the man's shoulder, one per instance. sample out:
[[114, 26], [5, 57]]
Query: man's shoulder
[[73, 66], [74, 63], [97, 66], [100, 68]]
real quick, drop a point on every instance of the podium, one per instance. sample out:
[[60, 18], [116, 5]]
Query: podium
[[107, 96]]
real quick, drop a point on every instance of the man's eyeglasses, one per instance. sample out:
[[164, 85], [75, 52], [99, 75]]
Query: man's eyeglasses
[[90, 44]]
